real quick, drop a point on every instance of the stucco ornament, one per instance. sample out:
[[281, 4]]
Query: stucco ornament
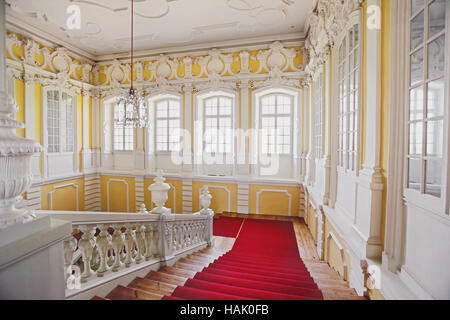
[[159, 191], [327, 22], [15, 165]]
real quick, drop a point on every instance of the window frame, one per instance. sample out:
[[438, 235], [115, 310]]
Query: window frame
[[166, 98], [344, 166], [124, 128], [275, 117], [435, 204], [319, 86], [63, 127], [355, 19], [218, 117]]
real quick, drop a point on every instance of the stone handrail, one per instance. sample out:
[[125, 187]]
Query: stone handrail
[[112, 245]]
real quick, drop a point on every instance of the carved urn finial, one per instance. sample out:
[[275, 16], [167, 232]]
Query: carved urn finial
[[205, 201], [159, 191], [142, 208], [15, 165]]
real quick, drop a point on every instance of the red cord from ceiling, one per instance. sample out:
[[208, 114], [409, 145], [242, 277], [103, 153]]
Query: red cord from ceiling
[[132, 41]]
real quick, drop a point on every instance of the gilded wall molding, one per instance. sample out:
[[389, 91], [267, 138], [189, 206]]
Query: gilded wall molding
[[273, 65]]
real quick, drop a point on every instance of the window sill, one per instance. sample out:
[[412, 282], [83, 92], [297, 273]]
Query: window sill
[[59, 154]]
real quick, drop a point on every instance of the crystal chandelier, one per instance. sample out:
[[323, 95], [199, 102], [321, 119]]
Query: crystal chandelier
[[132, 107]]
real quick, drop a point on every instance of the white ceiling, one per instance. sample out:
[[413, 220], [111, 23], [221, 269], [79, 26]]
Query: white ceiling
[[105, 24]]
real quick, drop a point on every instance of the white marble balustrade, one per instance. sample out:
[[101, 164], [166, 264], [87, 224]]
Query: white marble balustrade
[[107, 246]]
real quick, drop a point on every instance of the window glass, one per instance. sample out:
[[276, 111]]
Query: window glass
[[168, 121], [276, 124], [218, 125], [426, 96]]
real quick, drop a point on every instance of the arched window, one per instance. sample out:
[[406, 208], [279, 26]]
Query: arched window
[[276, 116], [348, 78], [168, 113], [60, 123], [123, 138]]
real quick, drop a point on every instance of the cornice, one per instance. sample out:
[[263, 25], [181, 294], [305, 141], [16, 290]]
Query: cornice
[[217, 68], [256, 43]]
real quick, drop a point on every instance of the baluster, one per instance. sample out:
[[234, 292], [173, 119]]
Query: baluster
[[70, 245], [181, 239], [193, 233], [155, 241], [175, 232], [140, 242], [204, 231], [186, 234], [95, 260], [189, 235], [148, 234], [103, 245], [117, 244], [170, 235], [86, 245], [129, 245], [197, 232]]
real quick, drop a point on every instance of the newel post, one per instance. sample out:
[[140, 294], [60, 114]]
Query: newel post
[[159, 190], [15, 165], [205, 201]]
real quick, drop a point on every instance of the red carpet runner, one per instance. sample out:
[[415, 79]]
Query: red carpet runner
[[264, 264], [227, 227]]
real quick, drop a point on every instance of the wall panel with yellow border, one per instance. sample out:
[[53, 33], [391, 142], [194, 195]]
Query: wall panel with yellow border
[[335, 252], [63, 195], [224, 196], [274, 200], [115, 191]]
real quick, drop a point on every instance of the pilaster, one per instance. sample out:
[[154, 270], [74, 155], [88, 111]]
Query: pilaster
[[187, 165], [310, 138], [86, 153], [30, 116], [243, 147]]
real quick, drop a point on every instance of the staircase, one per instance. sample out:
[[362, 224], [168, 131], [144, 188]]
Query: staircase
[[157, 284], [185, 273]]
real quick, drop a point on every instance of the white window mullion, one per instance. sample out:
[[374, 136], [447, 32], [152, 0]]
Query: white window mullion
[[427, 77]]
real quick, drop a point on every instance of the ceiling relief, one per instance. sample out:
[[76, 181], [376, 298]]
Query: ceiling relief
[[265, 12], [159, 24]]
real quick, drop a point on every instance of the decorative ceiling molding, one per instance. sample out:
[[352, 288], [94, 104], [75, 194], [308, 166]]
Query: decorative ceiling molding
[[162, 24], [275, 61], [273, 64], [325, 25]]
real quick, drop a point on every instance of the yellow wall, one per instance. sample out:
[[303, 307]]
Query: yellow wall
[[274, 203], [63, 198], [220, 196], [117, 193]]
